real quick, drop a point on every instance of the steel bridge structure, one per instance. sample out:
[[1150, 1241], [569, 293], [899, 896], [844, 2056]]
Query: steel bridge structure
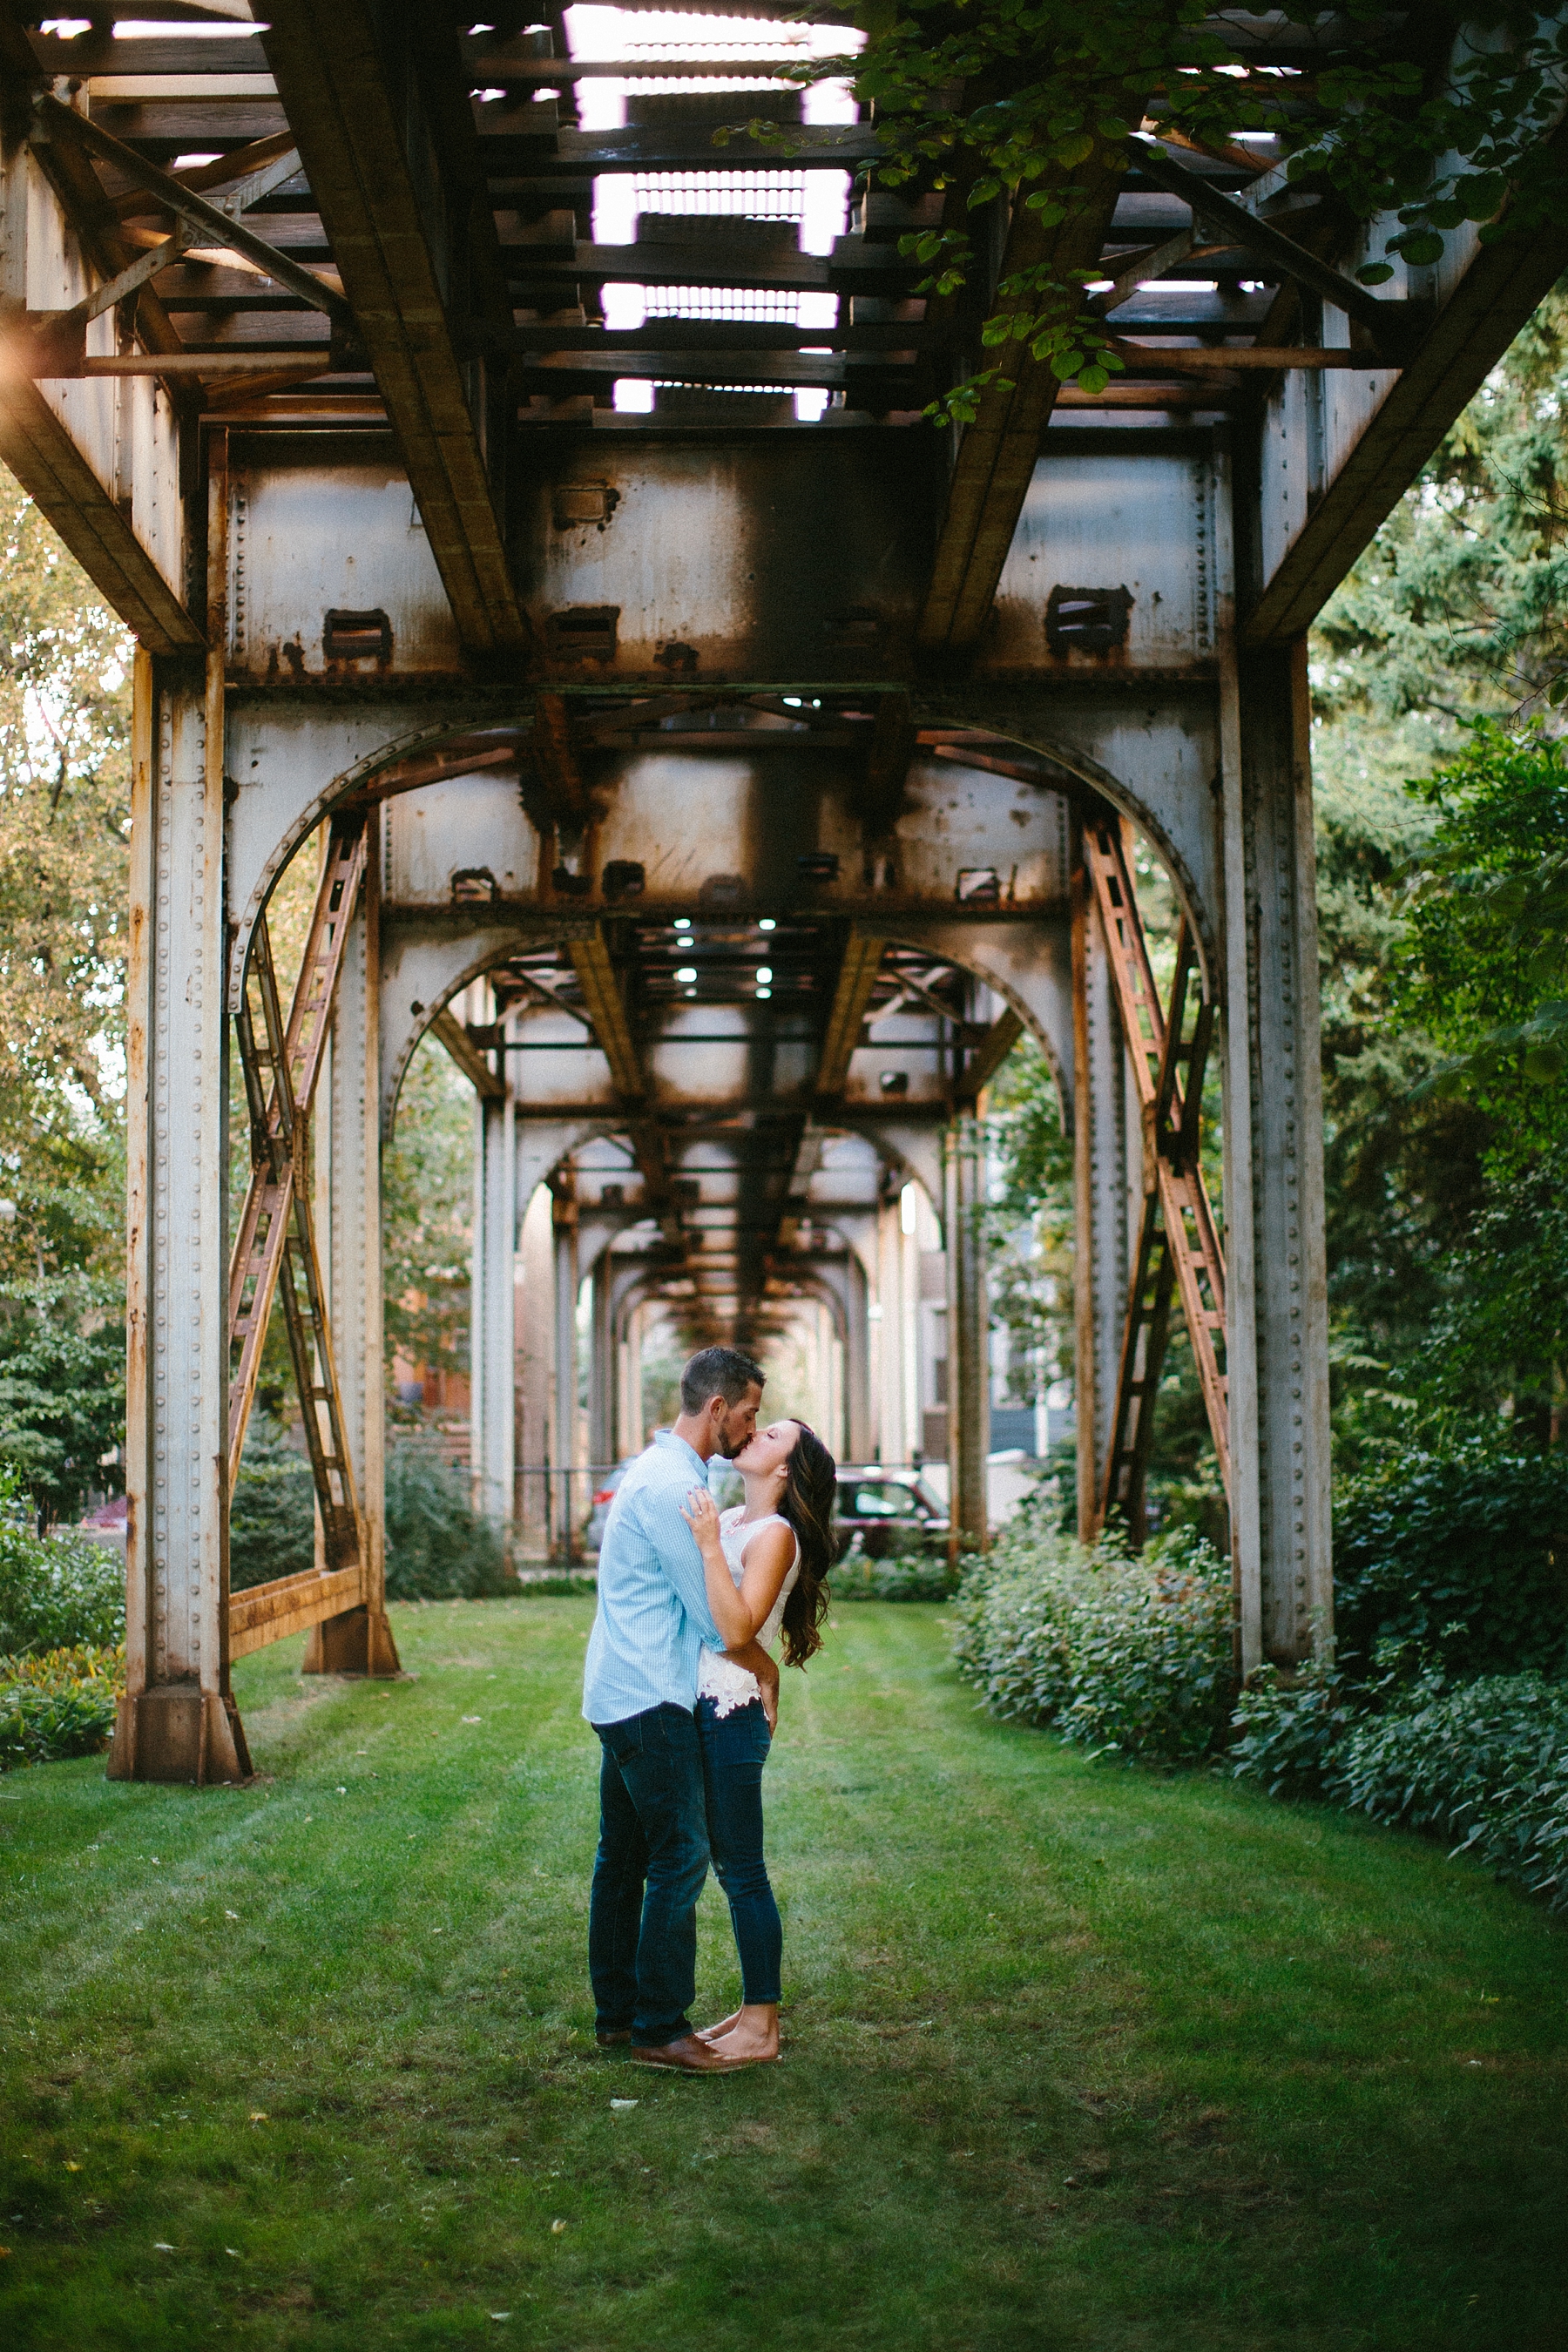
[[523, 508]]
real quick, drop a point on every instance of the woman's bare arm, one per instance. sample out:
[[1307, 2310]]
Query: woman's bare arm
[[739, 1611], [731, 1615]]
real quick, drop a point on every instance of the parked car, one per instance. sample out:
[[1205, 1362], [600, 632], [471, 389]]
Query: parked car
[[880, 1512], [603, 1496]]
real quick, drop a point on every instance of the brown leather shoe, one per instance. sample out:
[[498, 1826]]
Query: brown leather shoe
[[688, 2056], [610, 2041]]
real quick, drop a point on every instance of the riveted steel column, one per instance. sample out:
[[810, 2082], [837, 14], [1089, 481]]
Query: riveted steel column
[[493, 1311], [536, 1338], [601, 1382], [968, 1333], [1278, 1343], [1102, 1154], [571, 1500], [891, 1435], [347, 1145], [176, 1721]]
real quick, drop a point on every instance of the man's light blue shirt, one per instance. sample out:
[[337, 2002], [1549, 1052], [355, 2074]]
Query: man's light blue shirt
[[653, 1615]]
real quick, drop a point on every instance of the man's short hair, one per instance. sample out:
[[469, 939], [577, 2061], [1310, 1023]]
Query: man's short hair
[[727, 1372]]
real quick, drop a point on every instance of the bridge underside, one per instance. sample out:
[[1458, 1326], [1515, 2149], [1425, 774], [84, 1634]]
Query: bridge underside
[[524, 512]]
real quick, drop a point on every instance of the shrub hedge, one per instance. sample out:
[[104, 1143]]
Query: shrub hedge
[[1483, 1763], [1460, 1559], [272, 1512], [58, 1590], [437, 1548], [1131, 1657], [60, 1705]]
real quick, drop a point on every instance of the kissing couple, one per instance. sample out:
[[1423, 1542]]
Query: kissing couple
[[680, 1685]]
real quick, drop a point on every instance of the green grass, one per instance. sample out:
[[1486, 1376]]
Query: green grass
[[1076, 2056]]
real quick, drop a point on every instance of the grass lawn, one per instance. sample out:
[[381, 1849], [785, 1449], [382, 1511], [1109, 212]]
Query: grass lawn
[[1076, 2056]]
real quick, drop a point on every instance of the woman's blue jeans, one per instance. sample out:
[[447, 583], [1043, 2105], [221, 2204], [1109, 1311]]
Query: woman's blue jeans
[[734, 1750]]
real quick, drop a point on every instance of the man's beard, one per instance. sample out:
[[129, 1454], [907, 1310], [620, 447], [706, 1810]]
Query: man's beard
[[729, 1447]]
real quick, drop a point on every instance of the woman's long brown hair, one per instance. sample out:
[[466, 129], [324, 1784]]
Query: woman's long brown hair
[[811, 1486]]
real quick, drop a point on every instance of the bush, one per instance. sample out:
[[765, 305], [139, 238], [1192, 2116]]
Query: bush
[[1126, 1656], [1485, 1763], [437, 1548], [56, 1591], [1458, 1560], [908, 1575], [272, 1512], [57, 1705], [1286, 1730]]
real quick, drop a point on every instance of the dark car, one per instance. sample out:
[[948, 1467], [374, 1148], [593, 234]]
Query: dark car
[[882, 1513]]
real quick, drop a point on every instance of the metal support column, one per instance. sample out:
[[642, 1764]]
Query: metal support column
[[492, 1316], [891, 1437], [176, 1721], [572, 1503], [535, 1293], [968, 1333], [1278, 1335], [603, 1385], [348, 1168], [1102, 1188]]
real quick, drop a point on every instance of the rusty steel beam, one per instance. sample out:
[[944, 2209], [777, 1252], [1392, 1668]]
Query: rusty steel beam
[[39, 450], [60, 124], [1178, 1248], [1504, 284], [336, 92], [275, 1249], [467, 1057], [987, 1057], [863, 955], [892, 747], [607, 1013], [995, 461], [555, 761]]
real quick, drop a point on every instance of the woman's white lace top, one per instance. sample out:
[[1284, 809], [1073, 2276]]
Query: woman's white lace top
[[718, 1677]]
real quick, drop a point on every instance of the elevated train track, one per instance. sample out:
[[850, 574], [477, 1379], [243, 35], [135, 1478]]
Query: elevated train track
[[499, 473]]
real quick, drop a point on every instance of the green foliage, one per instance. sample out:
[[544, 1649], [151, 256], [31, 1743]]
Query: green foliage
[[1485, 1765], [58, 1590], [428, 1214], [1131, 1657], [1041, 103], [1486, 939], [1457, 608], [437, 1545], [1029, 1222], [62, 1407], [57, 1705], [1457, 1557], [911, 1576], [272, 1511], [64, 828], [1286, 1727]]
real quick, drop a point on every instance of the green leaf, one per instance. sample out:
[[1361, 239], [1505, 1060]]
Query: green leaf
[[1420, 246], [1544, 1062], [1374, 273], [1076, 148]]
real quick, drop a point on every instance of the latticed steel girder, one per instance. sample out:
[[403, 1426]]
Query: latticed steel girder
[[275, 1252], [1178, 1246]]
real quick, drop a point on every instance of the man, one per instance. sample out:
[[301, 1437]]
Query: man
[[639, 1693]]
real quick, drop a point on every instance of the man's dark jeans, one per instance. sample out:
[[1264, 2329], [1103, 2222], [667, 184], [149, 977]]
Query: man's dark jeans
[[651, 1863]]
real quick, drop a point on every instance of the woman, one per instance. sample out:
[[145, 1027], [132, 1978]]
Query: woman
[[766, 1562]]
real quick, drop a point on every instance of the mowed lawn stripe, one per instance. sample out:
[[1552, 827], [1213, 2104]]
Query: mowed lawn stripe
[[1076, 2056]]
